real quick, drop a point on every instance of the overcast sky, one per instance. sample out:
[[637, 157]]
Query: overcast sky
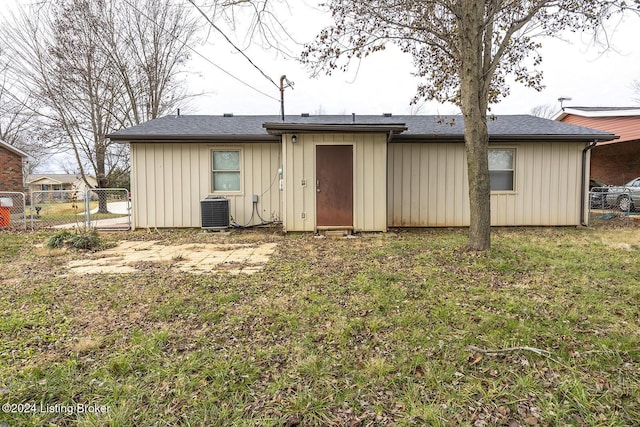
[[384, 83]]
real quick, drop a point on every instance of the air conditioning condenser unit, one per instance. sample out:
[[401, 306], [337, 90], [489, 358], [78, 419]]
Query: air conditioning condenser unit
[[214, 212]]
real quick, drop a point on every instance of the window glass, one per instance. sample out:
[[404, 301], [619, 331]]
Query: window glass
[[226, 160], [501, 170], [226, 181], [500, 159], [226, 170]]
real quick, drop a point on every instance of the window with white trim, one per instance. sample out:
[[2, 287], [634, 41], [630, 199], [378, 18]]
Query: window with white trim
[[225, 170], [502, 169]]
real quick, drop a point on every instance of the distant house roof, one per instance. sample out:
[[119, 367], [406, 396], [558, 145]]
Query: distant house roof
[[599, 111], [623, 121], [13, 149], [403, 128], [61, 178]]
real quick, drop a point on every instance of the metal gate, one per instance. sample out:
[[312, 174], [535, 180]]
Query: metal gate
[[102, 208], [57, 209], [608, 208], [13, 211]]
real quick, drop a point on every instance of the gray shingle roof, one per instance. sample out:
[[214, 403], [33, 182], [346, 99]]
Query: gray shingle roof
[[63, 178], [198, 127]]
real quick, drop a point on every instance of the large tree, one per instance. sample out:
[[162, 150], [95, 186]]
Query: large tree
[[18, 121], [91, 67], [464, 51]]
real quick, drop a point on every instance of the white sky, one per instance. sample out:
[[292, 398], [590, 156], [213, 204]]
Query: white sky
[[384, 83]]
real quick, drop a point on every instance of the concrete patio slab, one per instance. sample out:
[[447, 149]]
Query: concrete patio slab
[[200, 258]]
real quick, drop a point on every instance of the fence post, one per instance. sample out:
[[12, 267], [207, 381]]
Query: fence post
[[12, 206], [31, 209], [87, 208], [24, 210]]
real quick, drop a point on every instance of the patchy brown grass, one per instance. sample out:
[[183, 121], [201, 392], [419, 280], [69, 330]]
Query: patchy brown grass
[[396, 329]]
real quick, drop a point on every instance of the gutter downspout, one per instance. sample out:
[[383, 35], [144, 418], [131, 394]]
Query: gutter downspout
[[586, 150], [386, 182]]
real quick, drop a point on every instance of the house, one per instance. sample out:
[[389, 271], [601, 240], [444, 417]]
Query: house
[[614, 162], [11, 162], [59, 182], [361, 173]]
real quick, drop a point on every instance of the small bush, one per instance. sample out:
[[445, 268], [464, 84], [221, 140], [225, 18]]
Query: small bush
[[86, 239], [58, 240]]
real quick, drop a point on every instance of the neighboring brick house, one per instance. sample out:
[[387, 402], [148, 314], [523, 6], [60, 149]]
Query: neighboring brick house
[[612, 162], [11, 172]]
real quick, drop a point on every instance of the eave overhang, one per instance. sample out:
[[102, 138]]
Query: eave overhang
[[13, 149], [505, 138], [45, 178], [123, 138]]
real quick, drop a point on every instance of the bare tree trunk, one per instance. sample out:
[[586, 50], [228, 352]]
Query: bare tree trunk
[[101, 178], [91, 65], [476, 136], [476, 144]]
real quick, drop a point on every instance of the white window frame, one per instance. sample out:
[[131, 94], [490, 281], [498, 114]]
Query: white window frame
[[512, 170], [212, 179]]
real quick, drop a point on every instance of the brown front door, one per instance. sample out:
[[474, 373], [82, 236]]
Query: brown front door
[[334, 185]]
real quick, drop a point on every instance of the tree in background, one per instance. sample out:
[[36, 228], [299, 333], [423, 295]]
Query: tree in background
[[18, 120], [258, 21], [545, 111], [464, 51], [91, 67], [635, 86]]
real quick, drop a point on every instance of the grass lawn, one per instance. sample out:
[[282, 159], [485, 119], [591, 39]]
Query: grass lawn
[[397, 329], [66, 213]]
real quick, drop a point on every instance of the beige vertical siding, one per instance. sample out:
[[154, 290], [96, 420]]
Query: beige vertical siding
[[169, 179], [370, 179], [406, 184], [428, 186]]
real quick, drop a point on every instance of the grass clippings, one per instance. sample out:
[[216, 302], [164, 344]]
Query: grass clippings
[[397, 329]]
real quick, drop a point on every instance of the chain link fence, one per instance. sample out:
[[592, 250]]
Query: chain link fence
[[608, 207], [104, 209], [13, 211], [58, 209], [110, 209]]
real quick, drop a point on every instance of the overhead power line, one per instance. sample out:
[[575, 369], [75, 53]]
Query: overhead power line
[[231, 42], [203, 56]]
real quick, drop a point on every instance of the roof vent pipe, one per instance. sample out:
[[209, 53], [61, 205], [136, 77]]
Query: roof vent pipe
[[387, 114], [227, 115], [353, 117], [178, 113]]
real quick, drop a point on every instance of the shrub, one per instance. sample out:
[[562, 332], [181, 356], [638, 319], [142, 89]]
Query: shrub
[[81, 239], [87, 240], [59, 239]]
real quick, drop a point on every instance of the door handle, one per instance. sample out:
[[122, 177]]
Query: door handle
[[317, 185]]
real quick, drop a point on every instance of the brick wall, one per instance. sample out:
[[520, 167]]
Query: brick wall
[[10, 171], [616, 164]]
